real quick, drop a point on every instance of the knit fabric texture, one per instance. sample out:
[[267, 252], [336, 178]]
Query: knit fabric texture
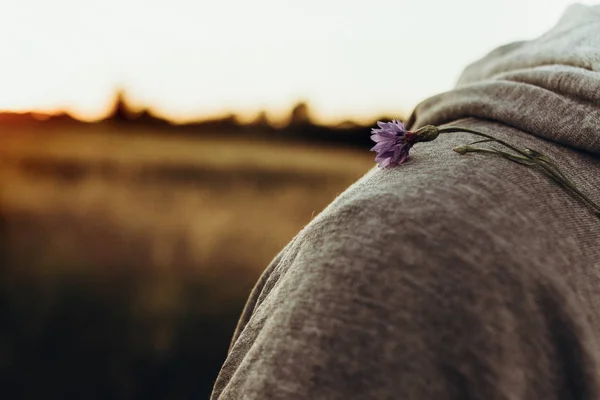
[[450, 276]]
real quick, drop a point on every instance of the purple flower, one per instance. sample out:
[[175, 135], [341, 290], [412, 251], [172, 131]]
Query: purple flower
[[393, 143]]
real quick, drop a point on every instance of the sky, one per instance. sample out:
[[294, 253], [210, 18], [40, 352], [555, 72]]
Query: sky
[[192, 59]]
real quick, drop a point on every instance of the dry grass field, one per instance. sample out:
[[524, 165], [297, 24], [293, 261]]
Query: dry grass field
[[126, 258]]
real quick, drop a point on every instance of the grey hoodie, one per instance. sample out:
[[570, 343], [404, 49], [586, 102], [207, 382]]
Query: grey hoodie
[[450, 276]]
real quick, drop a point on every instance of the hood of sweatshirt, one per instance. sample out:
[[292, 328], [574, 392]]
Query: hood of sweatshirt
[[549, 86]]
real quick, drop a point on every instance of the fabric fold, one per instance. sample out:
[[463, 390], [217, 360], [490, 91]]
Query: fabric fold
[[549, 86]]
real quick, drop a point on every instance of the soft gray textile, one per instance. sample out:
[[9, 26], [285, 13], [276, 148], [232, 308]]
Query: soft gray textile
[[451, 276]]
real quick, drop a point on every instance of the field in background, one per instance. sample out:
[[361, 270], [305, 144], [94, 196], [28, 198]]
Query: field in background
[[126, 258]]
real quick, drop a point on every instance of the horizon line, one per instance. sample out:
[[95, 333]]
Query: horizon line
[[121, 108]]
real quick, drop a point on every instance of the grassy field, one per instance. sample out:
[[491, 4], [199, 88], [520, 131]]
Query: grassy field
[[126, 258]]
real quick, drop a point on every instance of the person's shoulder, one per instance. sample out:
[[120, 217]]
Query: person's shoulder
[[425, 204], [440, 209], [440, 195]]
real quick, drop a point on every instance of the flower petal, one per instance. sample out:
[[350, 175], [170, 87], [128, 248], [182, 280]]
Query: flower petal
[[403, 157], [380, 136], [385, 163], [383, 155], [383, 145], [397, 154], [392, 143]]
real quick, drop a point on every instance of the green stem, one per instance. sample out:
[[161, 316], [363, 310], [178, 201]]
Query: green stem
[[481, 141], [560, 177], [512, 157], [457, 129], [541, 157], [546, 165], [532, 156]]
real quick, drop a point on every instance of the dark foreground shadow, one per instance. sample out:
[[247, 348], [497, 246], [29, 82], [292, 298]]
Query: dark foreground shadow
[[89, 336]]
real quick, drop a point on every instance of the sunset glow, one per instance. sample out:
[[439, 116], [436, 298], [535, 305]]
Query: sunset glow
[[190, 59]]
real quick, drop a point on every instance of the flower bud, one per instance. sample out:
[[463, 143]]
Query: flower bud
[[461, 149], [426, 134], [537, 155]]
